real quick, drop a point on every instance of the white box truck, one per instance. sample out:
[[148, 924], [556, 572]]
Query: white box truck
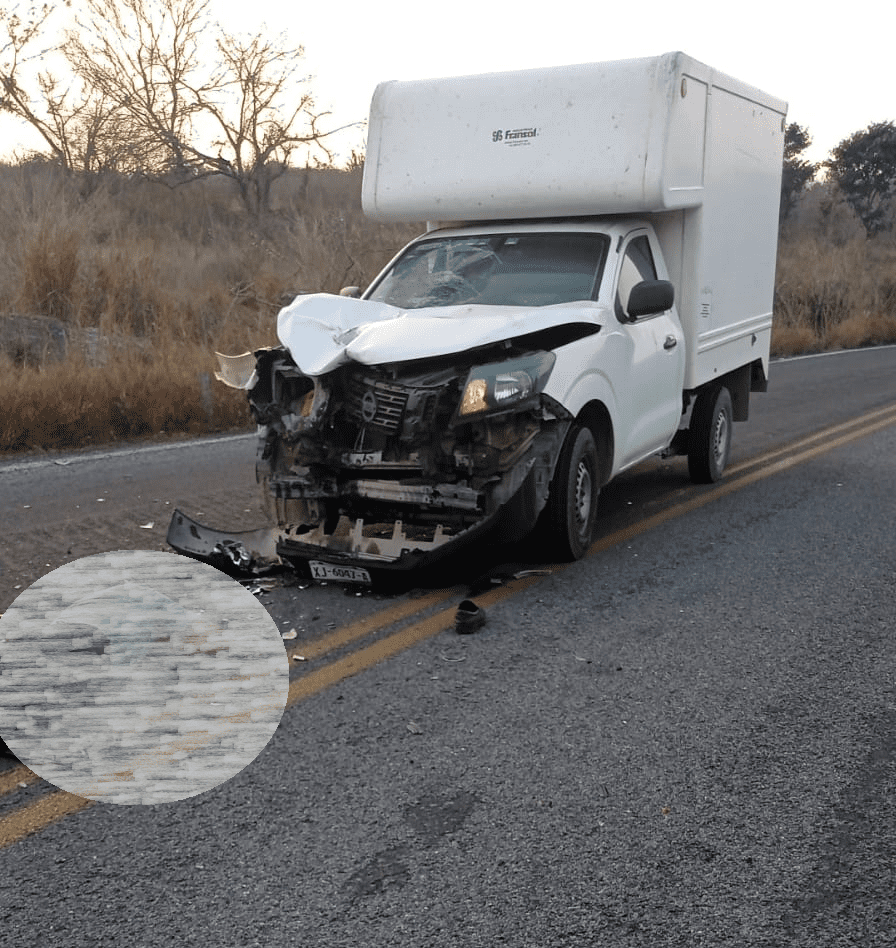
[[594, 286]]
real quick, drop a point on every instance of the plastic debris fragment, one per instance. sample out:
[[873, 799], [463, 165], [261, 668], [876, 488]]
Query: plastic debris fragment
[[235, 552]]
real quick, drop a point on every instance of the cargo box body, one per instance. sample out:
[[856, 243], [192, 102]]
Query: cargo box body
[[696, 153]]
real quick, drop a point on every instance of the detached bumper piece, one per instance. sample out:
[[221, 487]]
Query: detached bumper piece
[[253, 552]]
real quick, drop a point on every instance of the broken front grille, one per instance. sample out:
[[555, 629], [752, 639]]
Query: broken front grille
[[376, 404]]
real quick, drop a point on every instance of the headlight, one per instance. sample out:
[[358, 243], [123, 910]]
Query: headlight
[[504, 385]]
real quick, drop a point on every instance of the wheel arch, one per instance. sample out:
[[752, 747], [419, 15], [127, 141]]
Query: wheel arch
[[596, 416], [740, 382]]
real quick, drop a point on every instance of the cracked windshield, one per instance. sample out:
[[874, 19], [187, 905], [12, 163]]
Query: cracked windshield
[[496, 270]]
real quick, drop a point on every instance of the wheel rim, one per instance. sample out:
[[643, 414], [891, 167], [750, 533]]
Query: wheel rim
[[720, 440], [583, 497]]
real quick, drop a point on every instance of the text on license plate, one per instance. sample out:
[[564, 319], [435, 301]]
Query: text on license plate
[[346, 574]]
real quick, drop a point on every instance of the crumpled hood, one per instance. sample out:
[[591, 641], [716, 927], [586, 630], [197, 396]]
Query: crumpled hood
[[323, 331]]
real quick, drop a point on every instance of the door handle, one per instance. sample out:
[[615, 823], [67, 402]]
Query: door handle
[[670, 343]]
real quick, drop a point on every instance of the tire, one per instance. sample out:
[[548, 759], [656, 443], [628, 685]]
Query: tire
[[709, 437], [572, 505]]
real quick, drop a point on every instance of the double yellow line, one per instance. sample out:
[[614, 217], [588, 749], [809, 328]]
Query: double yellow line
[[420, 618]]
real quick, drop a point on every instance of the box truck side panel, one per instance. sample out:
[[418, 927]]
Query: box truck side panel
[[565, 141]]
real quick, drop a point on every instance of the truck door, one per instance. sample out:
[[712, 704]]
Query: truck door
[[649, 382]]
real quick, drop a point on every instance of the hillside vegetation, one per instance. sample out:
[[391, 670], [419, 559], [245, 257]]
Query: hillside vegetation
[[113, 298], [112, 304]]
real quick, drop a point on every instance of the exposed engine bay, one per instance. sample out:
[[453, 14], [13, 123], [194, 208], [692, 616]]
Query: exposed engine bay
[[381, 463]]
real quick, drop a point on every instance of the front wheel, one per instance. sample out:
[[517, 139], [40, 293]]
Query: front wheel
[[572, 505], [709, 437]]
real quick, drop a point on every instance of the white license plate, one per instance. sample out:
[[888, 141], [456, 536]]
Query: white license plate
[[345, 574]]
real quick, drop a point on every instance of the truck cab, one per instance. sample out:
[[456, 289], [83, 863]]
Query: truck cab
[[577, 276]]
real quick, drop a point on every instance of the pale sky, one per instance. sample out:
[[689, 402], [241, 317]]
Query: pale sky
[[834, 69]]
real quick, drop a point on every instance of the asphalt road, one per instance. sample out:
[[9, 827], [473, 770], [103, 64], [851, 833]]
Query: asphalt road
[[688, 738]]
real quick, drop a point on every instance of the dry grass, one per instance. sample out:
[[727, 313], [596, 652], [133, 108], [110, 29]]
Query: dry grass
[[145, 283], [74, 404], [139, 284], [834, 295]]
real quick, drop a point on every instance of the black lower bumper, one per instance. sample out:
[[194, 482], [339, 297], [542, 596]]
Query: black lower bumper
[[252, 551]]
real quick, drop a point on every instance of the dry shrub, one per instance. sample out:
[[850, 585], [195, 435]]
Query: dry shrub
[[834, 295], [73, 404], [864, 329], [50, 263], [46, 230], [151, 280], [794, 340]]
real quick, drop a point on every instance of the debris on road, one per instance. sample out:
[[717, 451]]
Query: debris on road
[[148, 525], [258, 588], [253, 552], [469, 618], [265, 585], [289, 635], [414, 728]]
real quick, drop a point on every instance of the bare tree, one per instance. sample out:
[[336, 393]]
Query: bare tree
[[256, 131], [145, 57], [82, 128], [142, 99], [140, 55], [20, 33]]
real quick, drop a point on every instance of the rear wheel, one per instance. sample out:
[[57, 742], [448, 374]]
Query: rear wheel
[[572, 505], [709, 437]]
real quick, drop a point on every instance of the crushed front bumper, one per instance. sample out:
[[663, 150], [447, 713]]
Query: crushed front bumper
[[387, 545]]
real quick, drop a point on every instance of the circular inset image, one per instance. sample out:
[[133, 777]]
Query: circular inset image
[[139, 677]]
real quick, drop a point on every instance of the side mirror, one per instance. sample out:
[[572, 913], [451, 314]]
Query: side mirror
[[353, 291], [650, 297]]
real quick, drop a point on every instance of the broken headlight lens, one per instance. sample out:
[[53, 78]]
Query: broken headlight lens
[[237, 371], [503, 385]]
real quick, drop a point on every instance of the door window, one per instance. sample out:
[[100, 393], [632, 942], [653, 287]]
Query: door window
[[637, 265]]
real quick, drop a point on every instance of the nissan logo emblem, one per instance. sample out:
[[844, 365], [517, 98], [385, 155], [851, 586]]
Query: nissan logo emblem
[[368, 406]]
